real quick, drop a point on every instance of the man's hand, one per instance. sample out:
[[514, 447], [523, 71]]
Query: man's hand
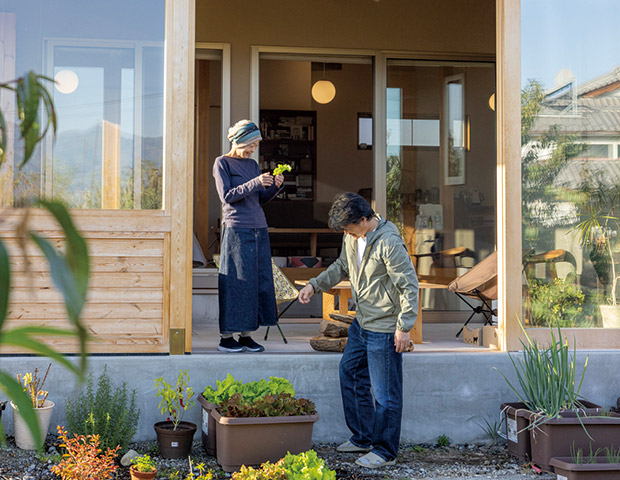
[[401, 341], [305, 294]]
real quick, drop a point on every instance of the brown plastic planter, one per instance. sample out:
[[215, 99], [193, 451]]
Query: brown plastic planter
[[175, 443], [208, 426], [517, 435], [556, 437], [252, 441], [565, 469], [518, 421]]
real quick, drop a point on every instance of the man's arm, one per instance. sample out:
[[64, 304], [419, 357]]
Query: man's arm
[[402, 274], [335, 273]]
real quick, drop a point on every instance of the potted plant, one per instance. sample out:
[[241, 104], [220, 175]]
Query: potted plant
[[599, 230], [174, 435], [211, 398], [264, 428], [549, 396], [592, 467], [143, 468], [33, 386]]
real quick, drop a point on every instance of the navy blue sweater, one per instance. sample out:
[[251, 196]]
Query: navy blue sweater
[[241, 192]]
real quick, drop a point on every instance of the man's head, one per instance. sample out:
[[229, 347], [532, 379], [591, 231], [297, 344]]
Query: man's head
[[351, 214]]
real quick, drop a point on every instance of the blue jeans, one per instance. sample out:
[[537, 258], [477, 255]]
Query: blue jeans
[[371, 382]]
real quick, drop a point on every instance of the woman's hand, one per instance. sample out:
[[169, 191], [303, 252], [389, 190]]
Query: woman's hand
[[279, 180], [266, 179]]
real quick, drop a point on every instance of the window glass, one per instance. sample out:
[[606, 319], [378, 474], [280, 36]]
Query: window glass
[[440, 175], [570, 170], [107, 61]]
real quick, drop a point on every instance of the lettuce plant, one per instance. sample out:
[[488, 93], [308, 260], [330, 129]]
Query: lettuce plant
[[250, 390]]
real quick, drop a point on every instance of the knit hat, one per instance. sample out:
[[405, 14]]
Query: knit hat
[[243, 133]]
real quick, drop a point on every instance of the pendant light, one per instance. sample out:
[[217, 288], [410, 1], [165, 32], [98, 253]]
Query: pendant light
[[323, 91]]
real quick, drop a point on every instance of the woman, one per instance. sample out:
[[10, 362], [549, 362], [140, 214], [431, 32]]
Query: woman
[[246, 293]]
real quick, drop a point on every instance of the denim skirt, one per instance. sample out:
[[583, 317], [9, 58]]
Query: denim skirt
[[247, 297]]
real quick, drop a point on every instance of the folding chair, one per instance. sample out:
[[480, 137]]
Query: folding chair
[[480, 283], [285, 291]]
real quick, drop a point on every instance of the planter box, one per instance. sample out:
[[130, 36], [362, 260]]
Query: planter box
[[518, 422], [252, 441], [556, 437], [566, 470], [208, 426]]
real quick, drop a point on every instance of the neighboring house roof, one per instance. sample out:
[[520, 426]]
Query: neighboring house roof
[[590, 171], [590, 116]]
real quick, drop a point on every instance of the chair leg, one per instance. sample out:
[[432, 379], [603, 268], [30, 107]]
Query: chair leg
[[278, 324], [465, 324]]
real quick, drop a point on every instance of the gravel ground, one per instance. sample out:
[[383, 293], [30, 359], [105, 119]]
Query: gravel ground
[[462, 462]]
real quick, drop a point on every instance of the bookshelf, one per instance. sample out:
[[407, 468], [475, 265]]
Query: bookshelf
[[289, 136]]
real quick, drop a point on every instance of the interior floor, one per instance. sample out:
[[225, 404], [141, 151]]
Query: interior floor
[[438, 337]]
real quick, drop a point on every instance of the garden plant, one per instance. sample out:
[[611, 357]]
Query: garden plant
[[110, 413]]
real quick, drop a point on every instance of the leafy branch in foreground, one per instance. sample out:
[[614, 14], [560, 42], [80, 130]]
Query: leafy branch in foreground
[[69, 270]]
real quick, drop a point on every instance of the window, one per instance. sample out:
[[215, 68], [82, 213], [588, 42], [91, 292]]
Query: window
[[109, 72]]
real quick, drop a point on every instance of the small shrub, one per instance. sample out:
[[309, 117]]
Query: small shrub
[[491, 427], [443, 441], [203, 473], [175, 400], [84, 459], [144, 463], [113, 415]]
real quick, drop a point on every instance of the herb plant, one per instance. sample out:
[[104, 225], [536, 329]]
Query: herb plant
[[175, 400], [144, 463], [281, 168], [33, 385], [547, 377], [111, 414], [443, 441], [250, 390], [203, 473], [84, 459]]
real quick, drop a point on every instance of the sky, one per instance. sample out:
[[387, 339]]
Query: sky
[[581, 36]]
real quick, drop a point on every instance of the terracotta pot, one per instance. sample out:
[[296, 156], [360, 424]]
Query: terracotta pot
[[601, 470], [556, 437], [252, 441], [23, 437], [135, 475], [208, 426], [518, 422], [175, 443]]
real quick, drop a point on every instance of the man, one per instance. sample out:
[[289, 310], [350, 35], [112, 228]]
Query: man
[[385, 289]]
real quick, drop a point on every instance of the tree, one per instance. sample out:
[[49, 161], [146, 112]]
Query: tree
[[69, 270]]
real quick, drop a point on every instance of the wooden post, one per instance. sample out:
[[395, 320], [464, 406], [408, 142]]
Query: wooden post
[[7, 104], [110, 165]]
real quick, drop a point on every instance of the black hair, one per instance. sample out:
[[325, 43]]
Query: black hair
[[348, 208]]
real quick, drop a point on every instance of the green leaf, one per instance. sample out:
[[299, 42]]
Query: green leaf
[[3, 140], [5, 277], [15, 392], [22, 337]]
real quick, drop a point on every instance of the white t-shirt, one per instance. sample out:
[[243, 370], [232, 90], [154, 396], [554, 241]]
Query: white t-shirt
[[361, 246]]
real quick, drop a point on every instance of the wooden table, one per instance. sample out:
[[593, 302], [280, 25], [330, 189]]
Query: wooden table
[[343, 292], [313, 232]]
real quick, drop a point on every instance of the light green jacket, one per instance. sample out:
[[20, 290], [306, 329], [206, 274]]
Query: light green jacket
[[384, 287]]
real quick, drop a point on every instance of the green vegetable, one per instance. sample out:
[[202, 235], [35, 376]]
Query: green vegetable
[[281, 405], [303, 466], [250, 391], [281, 168]]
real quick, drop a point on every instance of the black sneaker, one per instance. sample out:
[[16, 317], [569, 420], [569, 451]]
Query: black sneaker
[[230, 345], [250, 345]]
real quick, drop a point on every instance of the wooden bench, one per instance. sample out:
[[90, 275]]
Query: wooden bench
[[343, 292]]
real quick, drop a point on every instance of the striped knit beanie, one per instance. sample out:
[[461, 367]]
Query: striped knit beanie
[[243, 133]]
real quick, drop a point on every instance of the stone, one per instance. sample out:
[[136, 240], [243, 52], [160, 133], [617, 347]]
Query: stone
[[128, 457], [334, 328], [327, 344]]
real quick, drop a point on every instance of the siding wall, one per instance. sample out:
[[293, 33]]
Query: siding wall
[[127, 302]]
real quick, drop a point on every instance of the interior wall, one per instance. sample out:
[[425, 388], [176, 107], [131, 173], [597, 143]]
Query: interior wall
[[285, 85], [449, 26]]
